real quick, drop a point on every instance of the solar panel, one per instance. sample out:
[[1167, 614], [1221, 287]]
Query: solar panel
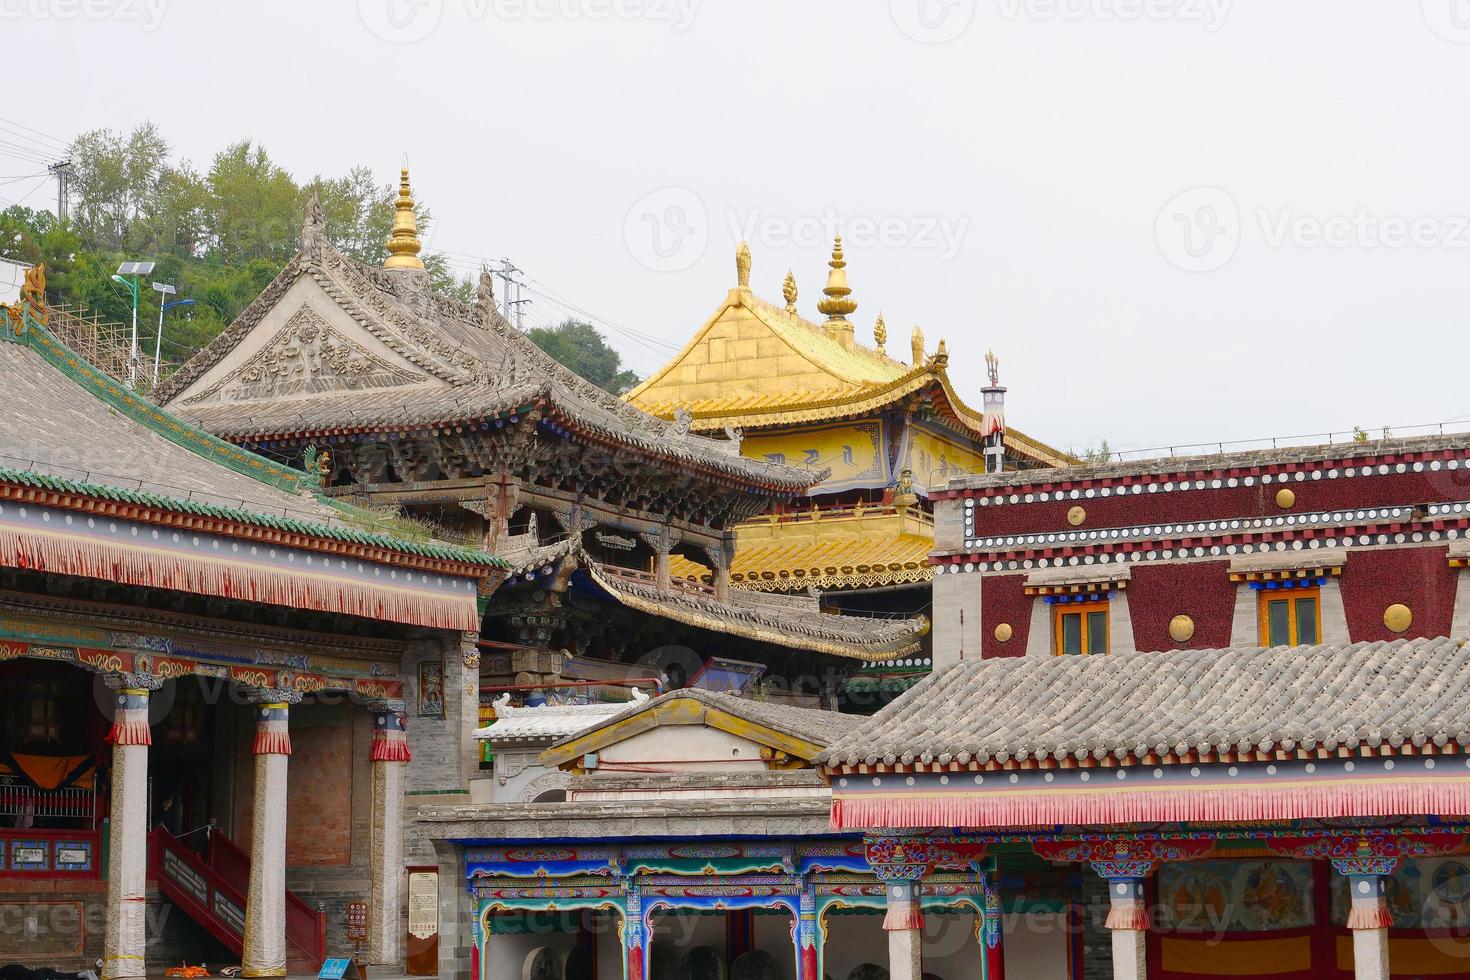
[[135, 268]]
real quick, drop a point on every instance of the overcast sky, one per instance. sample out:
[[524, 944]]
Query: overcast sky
[[1176, 221]]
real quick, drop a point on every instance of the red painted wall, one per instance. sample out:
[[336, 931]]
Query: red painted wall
[[1194, 505], [1200, 590], [1420, 578], [1004, 600]]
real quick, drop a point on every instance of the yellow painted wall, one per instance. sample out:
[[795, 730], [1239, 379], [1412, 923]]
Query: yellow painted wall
[[927, 453], [853, 451]]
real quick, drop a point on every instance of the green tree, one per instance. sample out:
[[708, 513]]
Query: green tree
[[579, 347]]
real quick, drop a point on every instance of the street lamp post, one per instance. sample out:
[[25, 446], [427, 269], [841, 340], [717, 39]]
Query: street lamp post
[[164, 290], [134, 269]]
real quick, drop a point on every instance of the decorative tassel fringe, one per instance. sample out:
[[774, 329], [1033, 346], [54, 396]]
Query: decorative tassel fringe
[[1371, 798], [272, 743], [390, 750], [1133, 917], [70, 555], [130, 732], [902, 916], [1369, 917]]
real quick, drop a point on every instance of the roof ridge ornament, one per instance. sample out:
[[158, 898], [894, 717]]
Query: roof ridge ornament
[[742, 265], [404, 245], [838, 303], [314, 229], [880, 334], [788, 292], [917, 343]]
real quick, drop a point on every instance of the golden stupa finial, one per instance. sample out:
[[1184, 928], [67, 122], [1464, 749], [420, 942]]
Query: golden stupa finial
[[788, 290], [918, 346], [742, 265], [880, 333], [838, 304], [403, 244]]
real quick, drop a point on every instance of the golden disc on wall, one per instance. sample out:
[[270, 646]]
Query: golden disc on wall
[[1398, 617], [1076, 516], [1181, 629], [1004, 632], [1285, 498]]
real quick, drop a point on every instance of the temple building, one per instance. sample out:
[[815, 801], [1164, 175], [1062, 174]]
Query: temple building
[[208, 675], [1217, 688], [877, 435], [693, 839], [442, 411]]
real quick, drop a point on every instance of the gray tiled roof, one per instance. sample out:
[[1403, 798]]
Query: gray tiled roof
[[1297, 699]]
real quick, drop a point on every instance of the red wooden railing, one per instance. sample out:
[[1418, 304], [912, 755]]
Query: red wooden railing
[[212, 890]]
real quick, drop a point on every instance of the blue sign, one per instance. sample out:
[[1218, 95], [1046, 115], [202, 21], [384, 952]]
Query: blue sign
[[335, 969]]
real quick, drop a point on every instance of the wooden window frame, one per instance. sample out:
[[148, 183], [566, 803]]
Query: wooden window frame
[[1291, 597], [1101, 603]]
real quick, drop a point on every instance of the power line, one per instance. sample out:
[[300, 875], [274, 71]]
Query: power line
[[35, 132]]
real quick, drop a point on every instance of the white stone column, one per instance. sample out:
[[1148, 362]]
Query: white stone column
[[265, 902], [904, 924], [385, 858], [125, 939], [1127, 917], [1369, 918]]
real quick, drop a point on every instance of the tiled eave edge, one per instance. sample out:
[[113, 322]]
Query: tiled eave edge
[[1028, 486], [1457, 746], [210, 519], [1228, 544]]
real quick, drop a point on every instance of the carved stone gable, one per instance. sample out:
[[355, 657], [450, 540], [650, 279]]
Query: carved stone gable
[[308, 356]]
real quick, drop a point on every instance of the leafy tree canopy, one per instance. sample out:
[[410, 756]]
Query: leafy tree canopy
[[579, 347]]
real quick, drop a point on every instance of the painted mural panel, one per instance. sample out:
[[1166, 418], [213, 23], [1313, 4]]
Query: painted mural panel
[[1432, 893], [936, 458], [854, 453], [1236, 896]]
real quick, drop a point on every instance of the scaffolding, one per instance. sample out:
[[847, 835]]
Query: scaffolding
[[102, 342]]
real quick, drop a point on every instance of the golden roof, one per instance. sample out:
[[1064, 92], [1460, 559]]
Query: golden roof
[[756, 365], [851, 548]]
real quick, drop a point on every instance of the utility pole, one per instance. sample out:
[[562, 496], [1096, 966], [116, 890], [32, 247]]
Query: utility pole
[[507, 273], [61, 170]]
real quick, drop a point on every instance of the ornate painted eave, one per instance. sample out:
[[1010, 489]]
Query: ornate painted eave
[[786, 621]]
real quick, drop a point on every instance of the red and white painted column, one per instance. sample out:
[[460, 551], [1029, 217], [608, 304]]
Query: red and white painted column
[[265, 902], [904, 923], [1127, 916], [1369, 918], [389, 754], [125, 938]]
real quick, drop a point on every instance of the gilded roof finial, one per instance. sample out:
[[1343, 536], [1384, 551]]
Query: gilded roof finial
[[941, 356], [788, 290], [838, 303], [742, 265], [403, 244], [992, 367], [880, 333], [918, 346]]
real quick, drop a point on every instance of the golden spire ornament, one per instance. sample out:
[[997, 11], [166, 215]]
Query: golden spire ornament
[[403, 244], [917, 342], [838, 304], [788, 290], [742, 265], [880, 334]]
